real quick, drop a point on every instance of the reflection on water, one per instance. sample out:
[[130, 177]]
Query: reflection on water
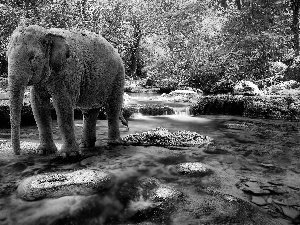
[[142, 95]]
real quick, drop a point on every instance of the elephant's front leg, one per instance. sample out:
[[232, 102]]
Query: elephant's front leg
[[41, 107], [65, 118], [89, 128]]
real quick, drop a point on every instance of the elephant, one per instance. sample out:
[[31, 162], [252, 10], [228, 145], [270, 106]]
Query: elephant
[[77, 69]]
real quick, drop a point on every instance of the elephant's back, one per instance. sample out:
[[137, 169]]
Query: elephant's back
[[96, 65], [86, 43]]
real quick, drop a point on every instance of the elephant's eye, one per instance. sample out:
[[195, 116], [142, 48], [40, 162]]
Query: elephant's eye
[[31, 58]]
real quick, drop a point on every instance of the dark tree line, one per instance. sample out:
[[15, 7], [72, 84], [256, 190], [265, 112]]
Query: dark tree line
[[195, 43]]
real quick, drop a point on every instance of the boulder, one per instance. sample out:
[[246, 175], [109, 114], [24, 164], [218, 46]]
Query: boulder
[[193, 169], [54, 185], [148, 198], [162, 137]]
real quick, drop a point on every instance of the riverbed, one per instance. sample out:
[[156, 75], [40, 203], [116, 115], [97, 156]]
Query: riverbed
[[254, 160]]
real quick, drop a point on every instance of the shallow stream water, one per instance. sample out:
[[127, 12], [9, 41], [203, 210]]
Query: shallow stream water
[[255, 160]]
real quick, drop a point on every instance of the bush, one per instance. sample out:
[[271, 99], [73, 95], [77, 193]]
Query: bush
[[154, 110], [4, 114], [270, 107], [245, 87], [223, 86], [219, 104], [27, 117], [3, 84], [128, 111]]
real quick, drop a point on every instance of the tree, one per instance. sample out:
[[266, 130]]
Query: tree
[[295, 5]]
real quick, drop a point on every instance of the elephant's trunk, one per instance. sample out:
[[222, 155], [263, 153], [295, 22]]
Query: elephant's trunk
[[16, 93]]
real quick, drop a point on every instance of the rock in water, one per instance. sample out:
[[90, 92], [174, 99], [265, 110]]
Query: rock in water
[[162, 137], [193, 169], [148, 199], [54, 185]]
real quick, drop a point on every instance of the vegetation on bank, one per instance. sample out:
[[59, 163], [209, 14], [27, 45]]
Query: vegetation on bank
[[128, 111], [207, 45], [171, 44], [266, 107]]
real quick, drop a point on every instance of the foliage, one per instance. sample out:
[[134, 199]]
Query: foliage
[[27, 117], [3, 84], [245, 87], [199, 44], [273, 107], [223, 86], [219, 104], [128, 111], [154, 110]]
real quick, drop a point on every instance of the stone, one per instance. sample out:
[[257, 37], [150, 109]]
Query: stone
[[193, 169], [237, 126], [278, 183], [253, 188], [267, 165], [148, 198], [162, 137], [290, 212], [278, 202], [274, 189], [258, 200], [58, 184], [213, 149], [222, 208]]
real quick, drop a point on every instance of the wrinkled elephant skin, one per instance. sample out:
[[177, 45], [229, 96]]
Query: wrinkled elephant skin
[[75, 69]]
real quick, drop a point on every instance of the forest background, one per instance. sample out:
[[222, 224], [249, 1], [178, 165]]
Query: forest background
[[171, 44]]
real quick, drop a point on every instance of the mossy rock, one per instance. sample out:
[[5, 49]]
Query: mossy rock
[[58, 184], [162, 137]]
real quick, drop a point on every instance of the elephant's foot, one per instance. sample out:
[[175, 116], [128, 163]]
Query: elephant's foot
[[46, 149], [117, 141], [69, 151]]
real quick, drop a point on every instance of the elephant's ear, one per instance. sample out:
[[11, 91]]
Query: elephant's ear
[[56, 50]]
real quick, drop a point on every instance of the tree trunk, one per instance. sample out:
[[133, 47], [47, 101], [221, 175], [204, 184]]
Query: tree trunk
[[238, 4], [134, 50], [295, 5]]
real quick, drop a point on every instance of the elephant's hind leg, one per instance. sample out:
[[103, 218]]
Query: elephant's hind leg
[[113, 110], [41, 107], [89, 128]]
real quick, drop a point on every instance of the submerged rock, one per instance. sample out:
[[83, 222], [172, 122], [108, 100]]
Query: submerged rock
[[193, 169], [222, 208], [162, 137], [148, 199], [51, 185]]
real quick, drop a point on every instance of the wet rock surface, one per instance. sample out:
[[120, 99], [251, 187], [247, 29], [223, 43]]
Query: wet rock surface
[[148, 199], [58, 184], [162, 137], [193, 169]]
